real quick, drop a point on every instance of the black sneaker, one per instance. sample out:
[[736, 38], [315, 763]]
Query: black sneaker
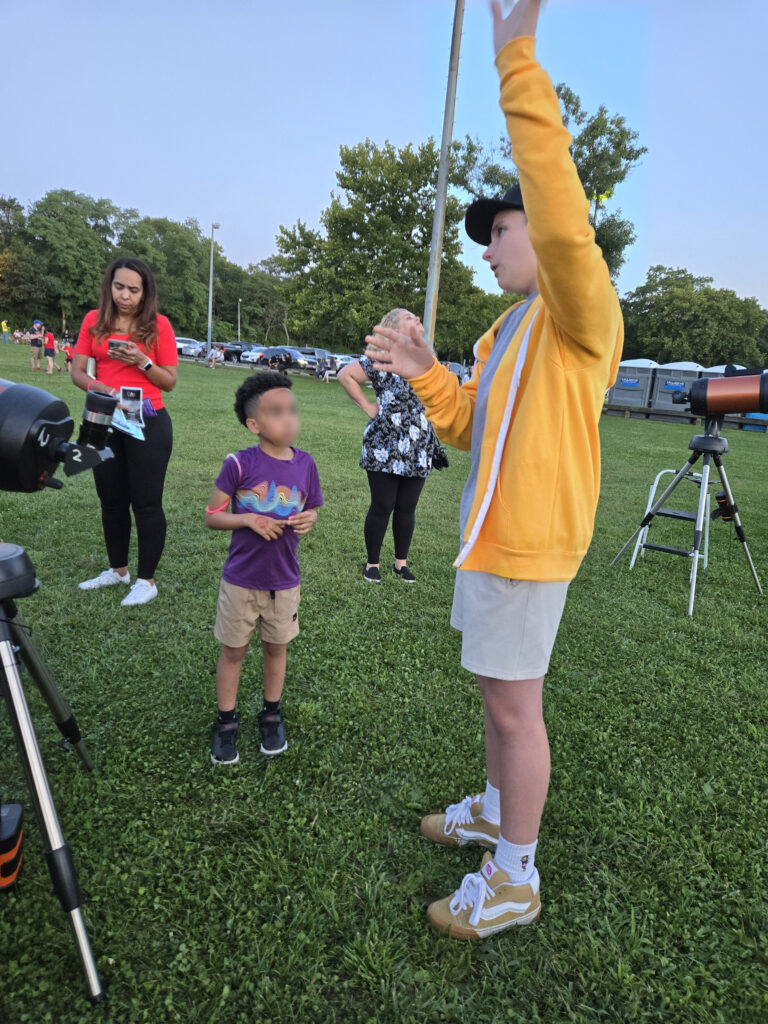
[[272, 731], [224, 742], [404, 574], [372, 574]]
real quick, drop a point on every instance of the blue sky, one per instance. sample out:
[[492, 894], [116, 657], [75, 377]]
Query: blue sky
[[235, 110]]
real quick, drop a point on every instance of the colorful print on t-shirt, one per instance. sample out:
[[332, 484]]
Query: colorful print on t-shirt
[[269, 497]]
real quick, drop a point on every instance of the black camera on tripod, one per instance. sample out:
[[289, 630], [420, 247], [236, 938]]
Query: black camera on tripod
[[35, 429]]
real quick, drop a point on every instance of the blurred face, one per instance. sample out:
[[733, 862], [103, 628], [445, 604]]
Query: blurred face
[[127, 291], [406, 320], [511, 254], [275, 418]]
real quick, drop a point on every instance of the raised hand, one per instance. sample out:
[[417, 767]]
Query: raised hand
[[405, 353], [521, 21]]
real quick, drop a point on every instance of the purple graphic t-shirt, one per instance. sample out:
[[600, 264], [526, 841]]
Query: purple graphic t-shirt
[[278, 488]]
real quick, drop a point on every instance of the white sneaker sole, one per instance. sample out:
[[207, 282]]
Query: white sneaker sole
[[235, 760], [272, 753], [89, 585], [135, 604]]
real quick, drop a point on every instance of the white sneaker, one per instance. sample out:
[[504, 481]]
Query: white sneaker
[[108, 578], [141, 592]]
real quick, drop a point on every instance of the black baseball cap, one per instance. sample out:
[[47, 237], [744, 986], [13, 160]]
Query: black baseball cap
[[478, 220]]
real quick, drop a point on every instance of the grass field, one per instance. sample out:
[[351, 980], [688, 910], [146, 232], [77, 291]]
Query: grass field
[[295, 890]]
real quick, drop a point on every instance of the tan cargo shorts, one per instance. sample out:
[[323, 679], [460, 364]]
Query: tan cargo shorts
[[240, 610]]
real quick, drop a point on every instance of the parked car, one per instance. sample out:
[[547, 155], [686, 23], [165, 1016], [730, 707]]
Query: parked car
[[182, 343], [297, 359], [232, 351], [344, 360], [314, 355], [253, 354], [194, 349]]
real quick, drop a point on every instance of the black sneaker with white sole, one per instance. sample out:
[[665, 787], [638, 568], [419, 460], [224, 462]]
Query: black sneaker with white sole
[[372, 574], [403, 574], [224, 741], [272, 729]]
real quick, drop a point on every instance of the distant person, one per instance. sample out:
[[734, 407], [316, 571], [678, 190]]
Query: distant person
[[321, 370], [49, 350], [4, 330], [268, 496], [69, 353], [17, 337], [36, 343], [397, 455], [142, 355]]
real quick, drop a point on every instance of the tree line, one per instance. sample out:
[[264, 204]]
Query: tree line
[[328, 286]]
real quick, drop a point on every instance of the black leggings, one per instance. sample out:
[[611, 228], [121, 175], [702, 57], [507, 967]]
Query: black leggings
[[391, 494], [135, 479]]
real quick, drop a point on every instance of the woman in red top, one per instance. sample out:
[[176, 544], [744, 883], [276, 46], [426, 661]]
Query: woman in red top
[[132, 346]]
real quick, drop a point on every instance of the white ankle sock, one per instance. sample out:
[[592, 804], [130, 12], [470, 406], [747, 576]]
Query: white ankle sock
[[491, 805], [517, 861]]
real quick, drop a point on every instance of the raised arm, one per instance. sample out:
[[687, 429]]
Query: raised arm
[[573, 277]]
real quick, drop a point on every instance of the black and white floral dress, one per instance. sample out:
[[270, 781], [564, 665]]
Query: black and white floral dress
[[399, 440]]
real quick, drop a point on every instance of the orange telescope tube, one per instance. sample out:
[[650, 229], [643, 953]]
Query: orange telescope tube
[[717, 396]]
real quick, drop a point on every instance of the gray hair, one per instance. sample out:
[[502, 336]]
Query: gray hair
[[392, 318]]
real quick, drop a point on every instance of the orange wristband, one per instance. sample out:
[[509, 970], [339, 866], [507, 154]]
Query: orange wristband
[[210, 511]]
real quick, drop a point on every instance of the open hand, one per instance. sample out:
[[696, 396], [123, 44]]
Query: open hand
[[303, 522], [269, 529], [521, 21], [405, 353]]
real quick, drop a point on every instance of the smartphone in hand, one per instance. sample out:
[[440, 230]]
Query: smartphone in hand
[[118, 345]]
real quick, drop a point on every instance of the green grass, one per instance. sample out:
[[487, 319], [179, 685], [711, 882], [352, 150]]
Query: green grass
[[295, 890]]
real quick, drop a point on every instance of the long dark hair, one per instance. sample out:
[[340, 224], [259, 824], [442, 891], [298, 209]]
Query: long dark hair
[[145, 332]]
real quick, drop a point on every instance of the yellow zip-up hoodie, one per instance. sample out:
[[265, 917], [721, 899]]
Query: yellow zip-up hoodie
[[534, 506]]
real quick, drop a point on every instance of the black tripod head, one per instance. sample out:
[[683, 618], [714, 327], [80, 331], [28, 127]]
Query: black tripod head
[[17, 574], [35, 429]]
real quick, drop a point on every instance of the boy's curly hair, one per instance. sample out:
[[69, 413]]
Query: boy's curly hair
[[251, 390]]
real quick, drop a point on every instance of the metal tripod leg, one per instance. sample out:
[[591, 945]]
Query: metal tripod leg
[[58, 855], [692, 459], [736, 519], [46, 684], [699, 528]]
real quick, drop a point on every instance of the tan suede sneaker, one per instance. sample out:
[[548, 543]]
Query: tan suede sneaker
[[461, 824], [485, 903]]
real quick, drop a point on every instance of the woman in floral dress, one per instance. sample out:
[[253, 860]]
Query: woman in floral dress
[[397, 455]]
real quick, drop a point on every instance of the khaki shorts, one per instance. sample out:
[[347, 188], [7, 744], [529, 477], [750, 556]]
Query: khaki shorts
[[240, 611], [508, 627]]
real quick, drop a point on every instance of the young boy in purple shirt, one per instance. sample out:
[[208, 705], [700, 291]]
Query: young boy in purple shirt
[[274, 492]]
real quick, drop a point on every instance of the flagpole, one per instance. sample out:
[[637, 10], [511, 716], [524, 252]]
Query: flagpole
[[438, 225]]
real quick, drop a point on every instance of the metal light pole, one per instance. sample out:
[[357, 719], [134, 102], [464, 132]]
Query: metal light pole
[[438, 225], [238, 319], [214, 227]]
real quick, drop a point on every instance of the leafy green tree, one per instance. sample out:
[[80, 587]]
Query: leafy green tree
[[676, 315], [74, 234], [604, 149], [372, 251]]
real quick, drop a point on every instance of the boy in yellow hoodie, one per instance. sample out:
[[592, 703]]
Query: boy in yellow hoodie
[[530, 417]]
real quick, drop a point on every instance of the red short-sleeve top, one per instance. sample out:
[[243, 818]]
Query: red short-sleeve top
[[118, 375]]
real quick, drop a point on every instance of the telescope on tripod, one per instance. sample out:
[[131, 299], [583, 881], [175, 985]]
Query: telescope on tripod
[[34, 440], [713, 398]]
